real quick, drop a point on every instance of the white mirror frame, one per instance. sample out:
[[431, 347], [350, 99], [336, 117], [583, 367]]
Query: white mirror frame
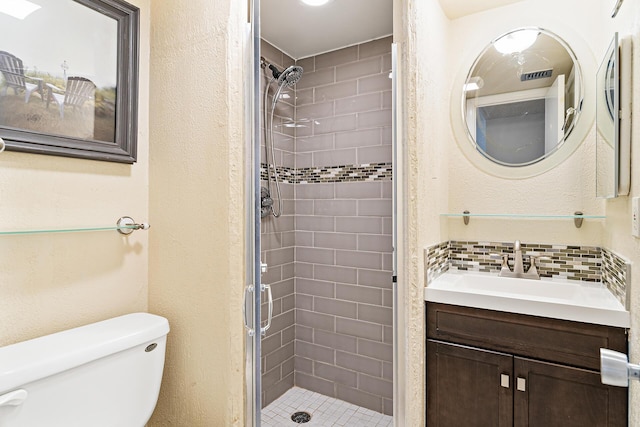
[[619, 170], [608, 122], [580, 131]]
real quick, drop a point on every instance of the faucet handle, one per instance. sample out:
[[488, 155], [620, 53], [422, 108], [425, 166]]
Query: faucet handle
[[532, 268], [503, 257], [536, 260], [505, 260]]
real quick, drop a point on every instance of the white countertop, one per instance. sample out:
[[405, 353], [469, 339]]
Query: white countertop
[[567, 300]]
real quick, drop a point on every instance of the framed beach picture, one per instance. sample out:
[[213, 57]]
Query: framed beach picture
[[69, 78]]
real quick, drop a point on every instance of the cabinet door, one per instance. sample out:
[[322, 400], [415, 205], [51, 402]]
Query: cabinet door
[[550, 395], [468, 386]]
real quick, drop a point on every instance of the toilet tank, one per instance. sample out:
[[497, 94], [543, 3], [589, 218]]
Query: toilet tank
[[105, 374]]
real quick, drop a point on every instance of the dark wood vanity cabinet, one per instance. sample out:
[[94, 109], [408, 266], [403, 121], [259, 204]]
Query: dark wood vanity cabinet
[[487, 368]]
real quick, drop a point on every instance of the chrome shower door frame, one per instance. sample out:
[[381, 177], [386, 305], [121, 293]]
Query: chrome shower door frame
[[253, 377]]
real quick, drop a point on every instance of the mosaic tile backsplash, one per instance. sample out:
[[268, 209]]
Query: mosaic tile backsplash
[[616, 273], [436, 260], [566, 262]]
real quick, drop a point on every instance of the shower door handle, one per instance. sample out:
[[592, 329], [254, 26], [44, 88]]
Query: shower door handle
[[267, 288], [249, 329]]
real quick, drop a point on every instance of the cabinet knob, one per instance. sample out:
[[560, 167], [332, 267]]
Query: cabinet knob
[[521, 384]]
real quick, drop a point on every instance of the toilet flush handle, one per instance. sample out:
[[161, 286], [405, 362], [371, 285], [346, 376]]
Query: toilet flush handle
[[13, 398]]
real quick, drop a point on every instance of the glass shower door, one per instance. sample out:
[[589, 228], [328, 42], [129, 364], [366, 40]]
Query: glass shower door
[[252, 221]]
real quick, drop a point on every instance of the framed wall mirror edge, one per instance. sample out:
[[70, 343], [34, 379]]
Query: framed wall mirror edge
[[613, 120], [75, 94], [624, 177], [580, 115]]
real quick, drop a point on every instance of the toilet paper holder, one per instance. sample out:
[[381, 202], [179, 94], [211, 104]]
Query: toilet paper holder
[[615, 368]]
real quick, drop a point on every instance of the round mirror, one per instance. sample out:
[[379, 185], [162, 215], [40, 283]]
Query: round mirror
[[522, 97]]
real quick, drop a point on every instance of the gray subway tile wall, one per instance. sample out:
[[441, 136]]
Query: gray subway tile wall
[[353, 278], [341, 207], [278, 249]]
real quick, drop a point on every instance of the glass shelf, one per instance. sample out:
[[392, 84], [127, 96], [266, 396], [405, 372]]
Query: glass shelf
[[125, 225], [523, 216], [67, 230], [577, 217]]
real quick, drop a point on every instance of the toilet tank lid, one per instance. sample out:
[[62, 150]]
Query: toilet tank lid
[[31, 360]]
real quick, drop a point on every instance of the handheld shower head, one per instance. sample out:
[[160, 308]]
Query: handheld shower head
[[288, 77]]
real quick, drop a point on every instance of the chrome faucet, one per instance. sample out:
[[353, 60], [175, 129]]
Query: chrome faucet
[[518, 266]]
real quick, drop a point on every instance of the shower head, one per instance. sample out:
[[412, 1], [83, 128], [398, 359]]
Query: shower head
[[288, 77]]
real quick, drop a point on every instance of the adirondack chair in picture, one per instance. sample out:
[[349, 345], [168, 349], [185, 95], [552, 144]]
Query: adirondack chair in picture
[[12, 70], [78, 91]]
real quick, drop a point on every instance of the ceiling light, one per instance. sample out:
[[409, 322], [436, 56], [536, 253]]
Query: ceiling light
[[516, 41], [315, 2], [18, 8]]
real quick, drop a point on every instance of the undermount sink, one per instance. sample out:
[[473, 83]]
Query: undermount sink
[[569, 300], [516, 286]]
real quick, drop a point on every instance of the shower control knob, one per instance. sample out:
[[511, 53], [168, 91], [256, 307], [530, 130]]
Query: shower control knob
[[266, 202]]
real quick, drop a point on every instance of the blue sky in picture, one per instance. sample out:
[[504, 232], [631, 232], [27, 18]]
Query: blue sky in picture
[[61, 37]]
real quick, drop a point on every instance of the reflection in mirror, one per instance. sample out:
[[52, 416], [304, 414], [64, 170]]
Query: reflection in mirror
[[522, 97], [607, 105]]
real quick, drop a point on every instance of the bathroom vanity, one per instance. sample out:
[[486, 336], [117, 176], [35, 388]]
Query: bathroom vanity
[[492, 368], [517, 352]]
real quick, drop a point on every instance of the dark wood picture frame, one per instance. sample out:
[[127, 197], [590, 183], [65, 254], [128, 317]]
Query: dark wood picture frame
[[124, 147]]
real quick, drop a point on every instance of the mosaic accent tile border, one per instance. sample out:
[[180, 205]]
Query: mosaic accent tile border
[[286, 174], [327, 174], [436, 261], [616, 273], [559, 261], [365, 172]]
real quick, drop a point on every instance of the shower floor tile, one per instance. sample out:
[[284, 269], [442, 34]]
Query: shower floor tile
[[325, 411]]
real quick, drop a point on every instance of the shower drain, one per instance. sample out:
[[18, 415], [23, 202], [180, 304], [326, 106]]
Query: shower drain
[[301, 417]]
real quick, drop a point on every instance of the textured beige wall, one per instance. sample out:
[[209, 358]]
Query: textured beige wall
[[618, 224], [420, 28], [196, 203], [564, 188], [51, 282]]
